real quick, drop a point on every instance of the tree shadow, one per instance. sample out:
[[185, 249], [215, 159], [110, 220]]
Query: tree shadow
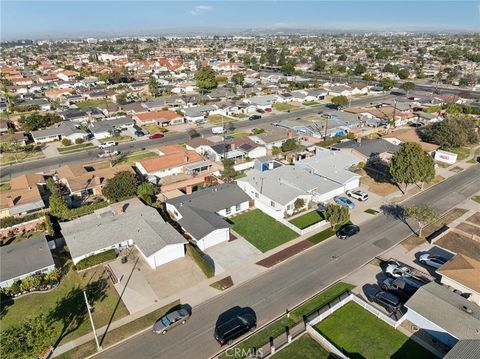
[[5, 303], [71, 310], [397, 212], [377, 169]]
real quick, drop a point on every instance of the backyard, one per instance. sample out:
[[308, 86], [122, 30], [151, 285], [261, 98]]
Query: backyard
[[303, 347], [359, 334], [261, 230], [94, 103], [307, 219], [284, 107]]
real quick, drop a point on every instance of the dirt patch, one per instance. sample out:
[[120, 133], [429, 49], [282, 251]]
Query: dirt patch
[[457, 243], [469, 228], [379, 188], [285, 254], [475, 218], [412, 242], [223, 284]]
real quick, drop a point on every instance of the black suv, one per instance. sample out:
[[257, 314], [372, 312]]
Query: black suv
[[228, 331], [387, 300], [254, 117]]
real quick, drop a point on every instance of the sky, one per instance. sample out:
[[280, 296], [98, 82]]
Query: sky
[[68, 18]]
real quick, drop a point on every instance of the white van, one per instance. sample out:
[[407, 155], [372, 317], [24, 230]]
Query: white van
[[218, 130], [107, 144]]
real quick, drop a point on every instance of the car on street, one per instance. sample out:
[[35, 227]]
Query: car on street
[[108, 154], [344, 202], [218, 130], [347, 230], [171, 320], [268, 109], [156, 135], [254, 117], [387, 300], [432, 260], [359, 195], [260, 110], [107, 144], [228, 331]]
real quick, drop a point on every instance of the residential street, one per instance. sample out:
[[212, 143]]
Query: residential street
[[295, 280], [55, 162]]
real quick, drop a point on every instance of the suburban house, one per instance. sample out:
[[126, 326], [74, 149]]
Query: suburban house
[[364, 148], [409, 135], [23, 259], [201, 214], [154, 105], [465, 349], [462, 273], [161, 118], [122, 225], [173, 160], [241, 147], [58, 132], [24, 196], [198, 114], [262, 102], [443, 314], [272, 136], [104, 129], [83, 181], [83, 115]]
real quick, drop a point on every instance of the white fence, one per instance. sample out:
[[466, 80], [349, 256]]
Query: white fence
[[309, 229], [324, 342]]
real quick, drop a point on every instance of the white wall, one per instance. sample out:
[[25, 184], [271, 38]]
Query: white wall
[[101, 135], [216, 237], [9, 282], [166, 254], [474, 296], [243, 207], [431, 328]]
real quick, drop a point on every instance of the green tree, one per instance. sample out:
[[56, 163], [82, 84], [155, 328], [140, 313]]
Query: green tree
[[27, 339], [342, 57], [337, 215], [387, 83], [340, 101], [319, 65], [66, 142], [403, 74], [359, 69], [122, 98], [238, 78], [368, 77], [411, 164], [288, 68], [146, 191], [58, 207], [282, 58], [228, 172], [49, 225], [423, 215], [451, 133], [407, 86], [153, 86], [36, 121], [205, 79], [121, 186], [289, 145]]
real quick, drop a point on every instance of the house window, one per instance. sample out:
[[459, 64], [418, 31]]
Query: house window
[[237, 207], [228, 210], [272, 204], [289, 207], [256, 195]]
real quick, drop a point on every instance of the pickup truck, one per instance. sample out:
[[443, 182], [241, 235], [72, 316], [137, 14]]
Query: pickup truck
[[403, 287], [397, 269]]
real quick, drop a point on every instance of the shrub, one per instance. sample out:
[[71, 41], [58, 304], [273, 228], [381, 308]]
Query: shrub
[[79, 141], [11, 221], [66, 142], [96, 259]]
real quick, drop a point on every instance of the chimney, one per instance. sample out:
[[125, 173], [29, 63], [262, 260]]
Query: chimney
[[10, 202], [120, 208], [290, 134]]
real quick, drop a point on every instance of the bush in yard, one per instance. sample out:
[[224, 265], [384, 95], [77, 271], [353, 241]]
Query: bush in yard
[[340, 101], [58, 207], [121, 186], [96, 259], [6, 222], [451, 133], [337, 215], [66, 142], [146, 191], [289, 145], [79, 141], [298, 204]]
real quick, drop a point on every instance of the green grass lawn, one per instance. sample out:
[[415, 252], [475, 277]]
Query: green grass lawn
[[321, 236], [359, 334], [261, 230], [462, 152], [475, 156], [240, 115], [133, 157], [237, 134], [476, 199], [22, 156], [284, 107], [119, 139], [94, 103], [66, 304], [311, 103], [275, 329], [5, 186], [371, 211], [303, 347], [307, 219], [217, 119], [75, 148]]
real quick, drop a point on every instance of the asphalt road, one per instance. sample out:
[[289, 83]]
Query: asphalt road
[[88, 156], [294, 280]]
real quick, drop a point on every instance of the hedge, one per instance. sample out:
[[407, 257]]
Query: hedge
[[200, 260], [84, 210], [12, 221], [96, 259]]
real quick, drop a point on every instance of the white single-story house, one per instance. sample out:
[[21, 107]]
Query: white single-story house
[[23, 259], [198, 114], [103, 129], [58, 132], [202, 214], [121, 225]]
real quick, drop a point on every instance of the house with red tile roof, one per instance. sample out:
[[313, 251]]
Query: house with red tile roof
[[160, 118]]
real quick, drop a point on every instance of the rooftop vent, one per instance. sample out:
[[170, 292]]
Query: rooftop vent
[[467, 309]]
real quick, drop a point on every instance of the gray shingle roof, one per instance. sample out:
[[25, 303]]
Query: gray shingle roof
[[106, 125], [447, 310], [24, 257], [107, 227], [368, 147], [198, 210], [465, 349], [64, 128]]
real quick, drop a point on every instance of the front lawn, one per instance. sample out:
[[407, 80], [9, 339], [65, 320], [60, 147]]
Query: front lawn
[[119, 139], [358, 333], [307, 219], [218, 119], [303, 347], [284, 107], [9, 158], [261, 230], [276, 328], [311, 103], [75, 148], [476, 199], [462, 152], [94, 103], [65, 305], [153, 128], [321, 236], [133, 157]]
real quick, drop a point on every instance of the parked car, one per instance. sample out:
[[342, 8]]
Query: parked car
[[347, 230], [360, 195], [171, 320], [395, 270], [268, 109], [107, 144], [254, 117], [218, 130], [156, 135], [260, 110], [402, 287], [432, 260], [344, 201], [108, 154], [230, 330], [387, 300]]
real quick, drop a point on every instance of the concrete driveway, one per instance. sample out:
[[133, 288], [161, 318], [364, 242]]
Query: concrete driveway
[[230, 254]]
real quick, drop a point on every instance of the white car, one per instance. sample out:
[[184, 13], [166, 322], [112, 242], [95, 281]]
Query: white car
[[396, 270], [359, 195], [108, 154], [432, 260], [107, 144], [218, 130]]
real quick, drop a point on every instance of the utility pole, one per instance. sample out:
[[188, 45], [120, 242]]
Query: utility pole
[[91, 321]]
